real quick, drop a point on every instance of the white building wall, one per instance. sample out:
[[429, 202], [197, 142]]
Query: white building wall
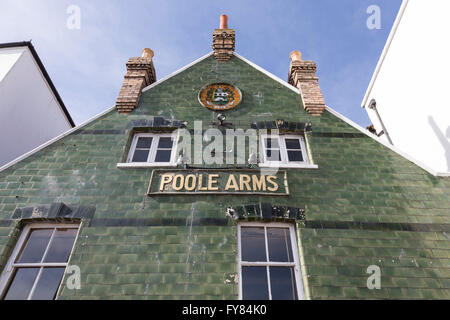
[[29, 112], [411, 85], [8, 57]]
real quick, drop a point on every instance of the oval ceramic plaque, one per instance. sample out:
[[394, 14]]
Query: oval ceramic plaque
[[219, 96]]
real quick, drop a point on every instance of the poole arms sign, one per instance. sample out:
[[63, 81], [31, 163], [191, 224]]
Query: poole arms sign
[[218, 181]]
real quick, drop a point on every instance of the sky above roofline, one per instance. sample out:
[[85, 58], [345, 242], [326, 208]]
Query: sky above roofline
[[87, 65]]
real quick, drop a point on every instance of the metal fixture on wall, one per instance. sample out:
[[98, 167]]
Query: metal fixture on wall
[[221, 117], [373, 106]]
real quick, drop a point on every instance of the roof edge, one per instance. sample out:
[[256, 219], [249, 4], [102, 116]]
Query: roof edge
[[384, 52], [44, 73], [387, 145], [49, 142], [267, 73], [177, 72]]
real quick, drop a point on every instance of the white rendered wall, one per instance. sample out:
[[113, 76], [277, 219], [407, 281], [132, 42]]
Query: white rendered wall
[[8, 57], [29, 113], [412, 85]]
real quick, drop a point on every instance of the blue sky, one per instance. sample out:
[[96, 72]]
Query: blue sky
[[87, 65]]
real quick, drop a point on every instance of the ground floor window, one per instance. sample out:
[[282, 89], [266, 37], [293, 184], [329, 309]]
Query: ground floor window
[[268, 262], [37, 264]]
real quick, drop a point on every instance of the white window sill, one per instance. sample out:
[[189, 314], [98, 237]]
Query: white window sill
[[144, 165], [289, 165]]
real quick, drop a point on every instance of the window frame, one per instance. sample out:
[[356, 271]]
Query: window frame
[[152, 152], [8, 272], [285, 163], [295, 264]]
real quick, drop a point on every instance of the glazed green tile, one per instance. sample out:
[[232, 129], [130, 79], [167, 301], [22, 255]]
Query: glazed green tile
[[358, 180]]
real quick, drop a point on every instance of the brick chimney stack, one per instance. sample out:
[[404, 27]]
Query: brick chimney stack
[[302, 74], [140, 73], [223, 40]]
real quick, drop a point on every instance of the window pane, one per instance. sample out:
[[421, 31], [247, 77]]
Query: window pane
[[140, 156], [282, 283], [292, 144], [61, 245], [35, 247], [295, 156], [165, 142], [22, 283], [48, 284], [254, 283], [163, 155], [279, 242], [271, 142], [273, 155], [144, 143], [253, 247]]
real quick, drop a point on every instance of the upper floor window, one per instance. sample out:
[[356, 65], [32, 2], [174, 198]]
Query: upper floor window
[[156, 149], [268, 262], [284, 151], [37, 264]]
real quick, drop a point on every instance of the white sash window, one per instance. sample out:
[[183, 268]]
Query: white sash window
[[38, 262], [284, 151], [154, 149], [268, 262]]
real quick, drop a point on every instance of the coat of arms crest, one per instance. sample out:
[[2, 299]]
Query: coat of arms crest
[[219, 96]]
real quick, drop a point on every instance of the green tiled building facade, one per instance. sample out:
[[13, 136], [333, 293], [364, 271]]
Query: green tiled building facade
[[363, 205]]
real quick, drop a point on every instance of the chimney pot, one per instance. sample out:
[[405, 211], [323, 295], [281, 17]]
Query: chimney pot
[[223, 21], [147, 53], [296, 55]]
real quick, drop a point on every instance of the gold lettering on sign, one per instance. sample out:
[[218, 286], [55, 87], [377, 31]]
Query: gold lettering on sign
[[259, 183], [200, 180], [244, 179], [232, 183], [273, 183], [178, 182], [165, 179], [211, 181], [190, 182]]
